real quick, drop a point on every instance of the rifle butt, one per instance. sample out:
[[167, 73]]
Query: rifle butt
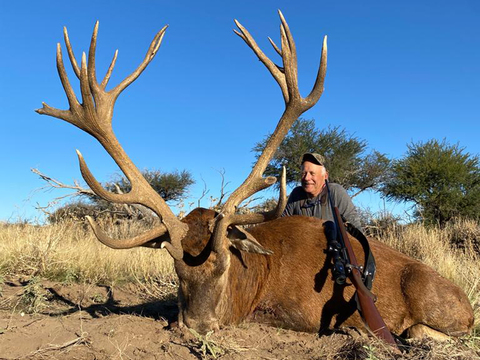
[[369, 311]]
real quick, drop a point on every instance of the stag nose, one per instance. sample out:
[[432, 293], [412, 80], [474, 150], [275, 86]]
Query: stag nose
[[201, 326]]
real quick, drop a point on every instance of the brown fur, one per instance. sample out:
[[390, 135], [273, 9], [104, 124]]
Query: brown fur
[[293, 288]]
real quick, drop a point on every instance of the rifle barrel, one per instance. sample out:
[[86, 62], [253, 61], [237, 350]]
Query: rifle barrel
[[369, 311]]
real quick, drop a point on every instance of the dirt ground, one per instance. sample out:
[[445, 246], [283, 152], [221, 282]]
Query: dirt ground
[[46, 320]]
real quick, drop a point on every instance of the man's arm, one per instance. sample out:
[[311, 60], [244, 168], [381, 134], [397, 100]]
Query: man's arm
[[288, 211], [292, 204]]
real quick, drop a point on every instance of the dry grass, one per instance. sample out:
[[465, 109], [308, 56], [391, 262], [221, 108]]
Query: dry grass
[[69, 252]]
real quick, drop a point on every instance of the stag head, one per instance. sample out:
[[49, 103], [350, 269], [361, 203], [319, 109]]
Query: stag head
[[201, 243]]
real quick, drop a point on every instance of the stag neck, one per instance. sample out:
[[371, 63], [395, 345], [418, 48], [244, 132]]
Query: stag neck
[[240, 275]]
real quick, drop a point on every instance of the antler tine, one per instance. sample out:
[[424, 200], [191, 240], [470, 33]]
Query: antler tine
[[274, 70], [71, 97], [109, 71], [151, 52], [289, 66], [66, 115], [322, 71], [174, 248], [255, 218], [279, 52], [282, 198], [140, 240], [85, 89], [73, 61], [133, 197], [255, 182], [92, 75], [60, 114], [98, 189], [288, 35]]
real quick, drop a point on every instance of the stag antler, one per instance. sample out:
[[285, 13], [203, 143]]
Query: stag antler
[[94, 116], [295, 105]]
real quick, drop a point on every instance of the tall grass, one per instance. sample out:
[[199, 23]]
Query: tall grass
[[69, 252]]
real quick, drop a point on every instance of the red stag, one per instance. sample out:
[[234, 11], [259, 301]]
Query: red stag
[[278, 269]]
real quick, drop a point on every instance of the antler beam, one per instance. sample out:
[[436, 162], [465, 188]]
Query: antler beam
[[94, 116], [287, 78]]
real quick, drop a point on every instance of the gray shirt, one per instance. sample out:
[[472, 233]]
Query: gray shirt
[[299, 204]]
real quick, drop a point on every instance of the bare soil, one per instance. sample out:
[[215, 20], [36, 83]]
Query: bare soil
[[47, 320]]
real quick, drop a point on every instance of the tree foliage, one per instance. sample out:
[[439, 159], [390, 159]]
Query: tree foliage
[[345, 156], [442, 180], [171, 186]]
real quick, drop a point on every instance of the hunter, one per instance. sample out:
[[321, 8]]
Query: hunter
[[310, 199]]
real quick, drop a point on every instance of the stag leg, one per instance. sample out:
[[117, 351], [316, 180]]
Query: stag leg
[[421, 331]]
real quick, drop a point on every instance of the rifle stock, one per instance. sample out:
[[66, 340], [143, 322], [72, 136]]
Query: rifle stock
[[366, 299]]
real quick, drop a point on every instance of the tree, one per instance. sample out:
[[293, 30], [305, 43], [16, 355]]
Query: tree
[[442, 180], [171, 186], [344, 154]]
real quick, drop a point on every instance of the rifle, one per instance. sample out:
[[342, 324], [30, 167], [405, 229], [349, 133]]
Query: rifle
[[365, 299]]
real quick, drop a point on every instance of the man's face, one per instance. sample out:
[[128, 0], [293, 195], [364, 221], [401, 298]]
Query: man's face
[[313, 178]]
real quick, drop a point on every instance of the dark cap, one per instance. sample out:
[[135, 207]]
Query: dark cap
[[313, 158]]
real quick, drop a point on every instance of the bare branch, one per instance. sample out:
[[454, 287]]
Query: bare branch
[[56, 184], [205, 191], [223, 186]]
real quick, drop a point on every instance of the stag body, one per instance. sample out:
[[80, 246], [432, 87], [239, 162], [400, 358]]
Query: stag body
[[293, 288]]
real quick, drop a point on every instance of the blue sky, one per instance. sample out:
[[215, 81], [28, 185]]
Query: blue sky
[[397, 72]]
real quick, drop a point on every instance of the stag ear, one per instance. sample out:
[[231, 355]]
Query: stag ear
[[242, 240]]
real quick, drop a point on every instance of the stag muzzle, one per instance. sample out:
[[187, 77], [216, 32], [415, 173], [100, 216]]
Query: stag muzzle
[[201, 326]]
